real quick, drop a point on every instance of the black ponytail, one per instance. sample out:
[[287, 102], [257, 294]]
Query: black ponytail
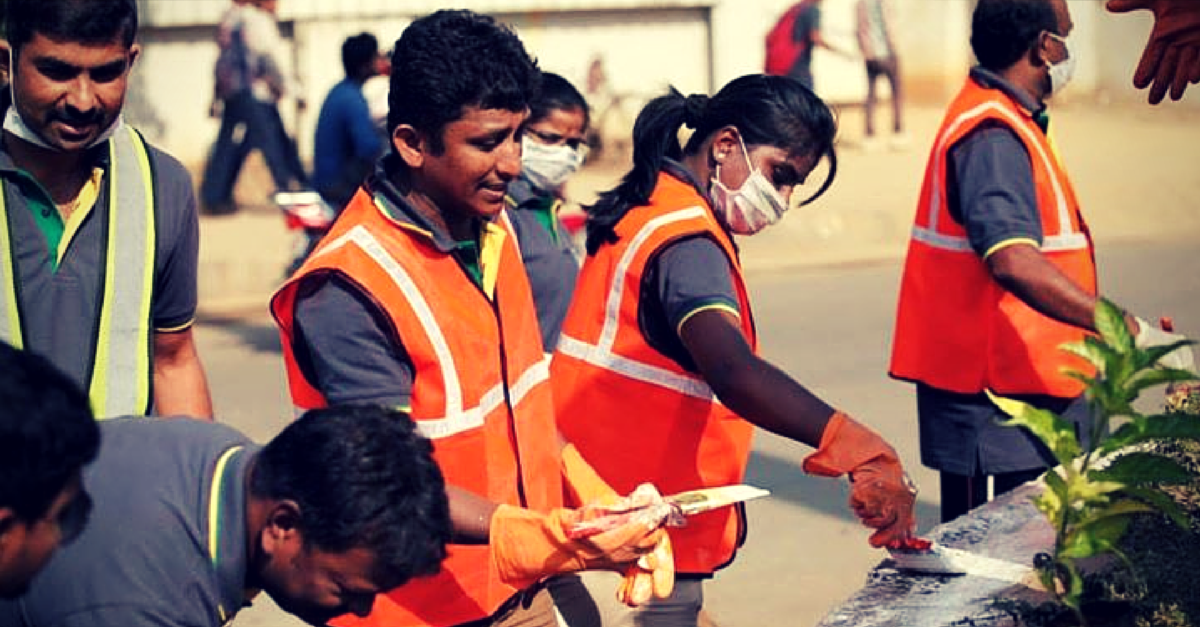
[[655, 137], [766, 110]]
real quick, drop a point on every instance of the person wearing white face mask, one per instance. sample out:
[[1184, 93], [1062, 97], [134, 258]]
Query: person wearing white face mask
[[552, 149], [1001, 266], [656, 376]]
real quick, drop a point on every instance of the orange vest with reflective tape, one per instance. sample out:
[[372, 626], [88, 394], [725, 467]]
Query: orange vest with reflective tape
[[635, 414], [957, 329], [480, 390]]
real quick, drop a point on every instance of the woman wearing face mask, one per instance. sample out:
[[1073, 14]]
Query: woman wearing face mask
[[552, 149], [656, 376]]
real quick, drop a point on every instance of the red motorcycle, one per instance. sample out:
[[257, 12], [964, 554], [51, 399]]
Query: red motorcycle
[[308, 217]]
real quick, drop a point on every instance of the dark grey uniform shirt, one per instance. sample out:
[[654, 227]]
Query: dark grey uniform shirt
[[59, 308], [144, 560], [550, 259], [991, 192]]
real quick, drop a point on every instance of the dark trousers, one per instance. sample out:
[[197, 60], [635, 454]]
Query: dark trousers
[[261, 128], [889, 69], [961, 494]]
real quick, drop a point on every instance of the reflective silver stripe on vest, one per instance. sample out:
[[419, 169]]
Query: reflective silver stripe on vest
[[120, 382], [601, 354], [1065, 240], [457, 419], [10, 316]]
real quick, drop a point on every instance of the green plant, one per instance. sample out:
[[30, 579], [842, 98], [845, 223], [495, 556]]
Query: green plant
[[1095, 492]]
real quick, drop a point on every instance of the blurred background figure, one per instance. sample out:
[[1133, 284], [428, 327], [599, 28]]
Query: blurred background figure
[[250, 109], [874, 23], [347, 141], [552, 149], [791, 41]]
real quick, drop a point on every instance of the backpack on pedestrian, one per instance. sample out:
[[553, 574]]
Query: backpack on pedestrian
[[782, 48]]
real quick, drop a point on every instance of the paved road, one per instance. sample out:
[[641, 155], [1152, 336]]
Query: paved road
[[829, 328]]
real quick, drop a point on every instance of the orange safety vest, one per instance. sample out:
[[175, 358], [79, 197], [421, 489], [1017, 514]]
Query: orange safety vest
[[480, 390], [957, 329], [632, 412]]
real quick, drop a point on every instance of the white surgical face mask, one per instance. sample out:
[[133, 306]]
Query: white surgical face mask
[[548, 167], [753, 206], [1061, 72]]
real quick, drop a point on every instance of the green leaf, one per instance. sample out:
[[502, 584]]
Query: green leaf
[[1163, 503], [1092, 352], [1110, 322], [1098, 535], [1157, 427], [1158, 376], [1150, 355], [1056, 433], [1137, 469]]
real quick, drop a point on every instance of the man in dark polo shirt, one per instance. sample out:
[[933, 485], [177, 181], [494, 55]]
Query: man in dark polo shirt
[[47, 435], [191, 520], [1001, 268], [99, 233]]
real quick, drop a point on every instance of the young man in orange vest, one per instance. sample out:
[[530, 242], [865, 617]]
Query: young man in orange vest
[[1000, 268], [417, 299]]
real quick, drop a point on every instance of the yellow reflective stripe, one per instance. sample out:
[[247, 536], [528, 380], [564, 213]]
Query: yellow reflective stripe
[[214, 514], [175, 329], [1010, 242], [120, 382], [612, 308], [710, 307], [83, 206], [10, 317]]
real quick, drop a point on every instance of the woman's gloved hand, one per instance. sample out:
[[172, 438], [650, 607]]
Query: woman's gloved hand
[[881, 494]]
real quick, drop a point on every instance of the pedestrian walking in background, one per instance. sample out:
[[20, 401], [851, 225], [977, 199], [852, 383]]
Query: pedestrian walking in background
[[1001, 266], [101, 238], [347, 143], [791, 42], [417, 299], [47, 435], [231, 75], [256, 86], [552, 149], [657, 375], [191, 520], [874, 27]]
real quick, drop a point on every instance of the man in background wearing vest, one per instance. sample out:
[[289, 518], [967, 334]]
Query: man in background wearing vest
[[417, 298], [1000, 268], [98, 230]]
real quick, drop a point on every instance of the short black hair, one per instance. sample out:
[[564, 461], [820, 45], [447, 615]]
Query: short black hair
[[557, 93], [86, 21], [47, 432], [454, 59], [358, 51], [1002, 31], [363, 478]]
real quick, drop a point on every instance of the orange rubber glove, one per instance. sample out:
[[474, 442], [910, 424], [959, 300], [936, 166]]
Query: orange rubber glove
[[528, 545], [583, 484], [1171, 58], [881, 494], [652, 575]]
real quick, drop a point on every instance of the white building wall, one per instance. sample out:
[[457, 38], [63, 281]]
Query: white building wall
[[695, 45]]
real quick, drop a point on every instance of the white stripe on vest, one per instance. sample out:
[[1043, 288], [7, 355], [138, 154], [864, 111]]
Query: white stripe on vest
[[457, 418]]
